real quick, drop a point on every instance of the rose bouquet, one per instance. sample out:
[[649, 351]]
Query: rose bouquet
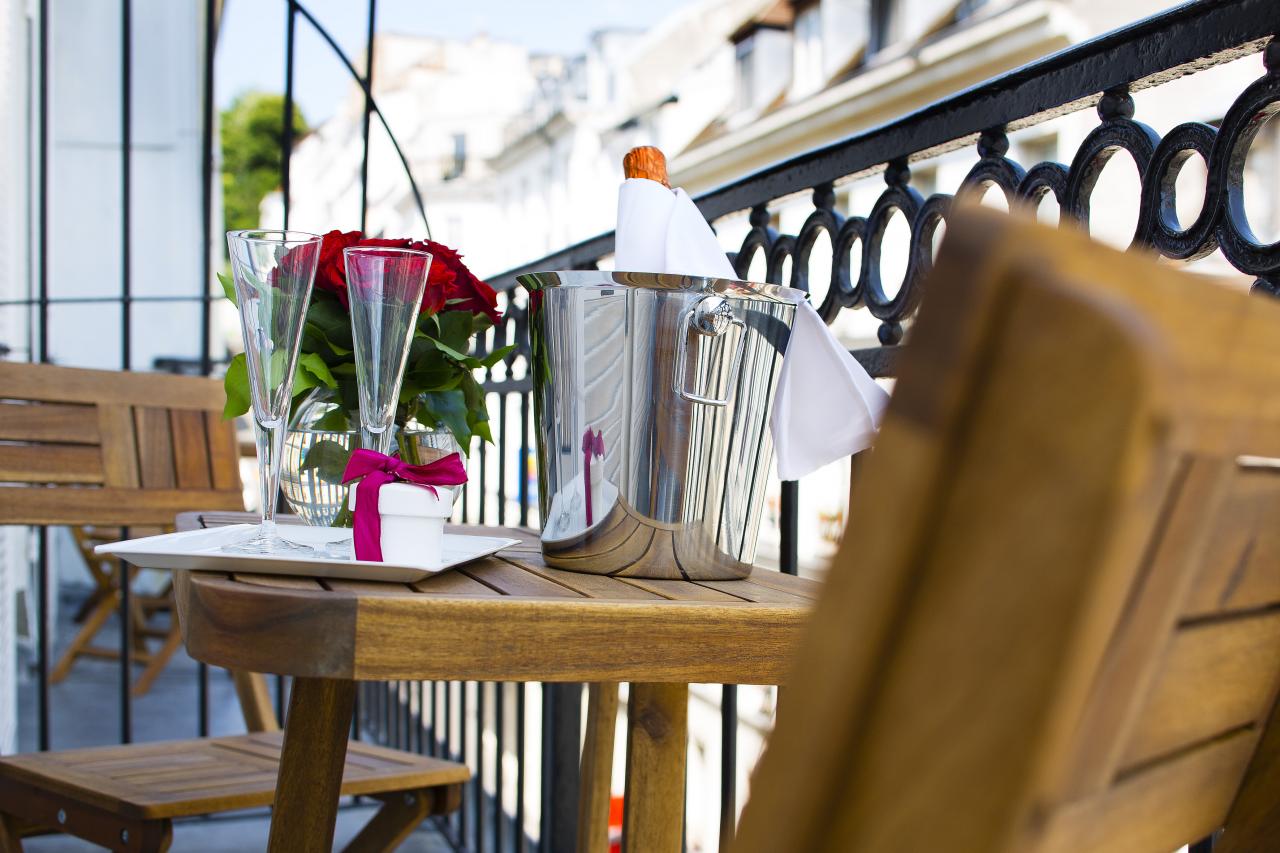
[[439, 389]]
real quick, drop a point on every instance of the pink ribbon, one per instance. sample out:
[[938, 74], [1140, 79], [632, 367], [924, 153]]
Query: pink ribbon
[[592, 445], [378, 469]]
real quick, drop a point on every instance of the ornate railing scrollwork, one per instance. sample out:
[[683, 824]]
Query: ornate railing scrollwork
[[1221, 222]]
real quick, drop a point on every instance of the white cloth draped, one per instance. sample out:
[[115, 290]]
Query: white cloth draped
[[827, 407]]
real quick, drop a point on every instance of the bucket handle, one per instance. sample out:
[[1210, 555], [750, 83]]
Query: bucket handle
[[710, 316]]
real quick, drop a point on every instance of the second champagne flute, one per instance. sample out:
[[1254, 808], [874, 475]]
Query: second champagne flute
[[385, 288]]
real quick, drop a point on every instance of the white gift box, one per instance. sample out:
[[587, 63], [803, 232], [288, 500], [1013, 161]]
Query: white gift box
[[412, 520]]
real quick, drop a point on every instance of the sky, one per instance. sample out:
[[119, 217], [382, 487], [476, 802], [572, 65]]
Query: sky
[[251, 41]]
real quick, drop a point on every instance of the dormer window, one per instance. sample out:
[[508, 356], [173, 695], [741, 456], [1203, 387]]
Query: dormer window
[[762, 52], [806, 72], [458, 167], [883, 30], [744, 57]]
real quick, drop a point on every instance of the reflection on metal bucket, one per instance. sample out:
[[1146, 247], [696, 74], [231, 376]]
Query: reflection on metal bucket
[[652, 395]]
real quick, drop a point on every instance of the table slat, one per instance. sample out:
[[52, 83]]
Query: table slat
[[356, 587], [590, 586], [280, 581], [510, 579], [684, 591], [452, 583], [749, 590]]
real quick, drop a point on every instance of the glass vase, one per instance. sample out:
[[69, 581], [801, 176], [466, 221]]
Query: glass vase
[[316, 449]]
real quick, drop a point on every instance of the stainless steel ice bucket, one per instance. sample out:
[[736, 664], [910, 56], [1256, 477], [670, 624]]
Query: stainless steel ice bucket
[[652, 395]]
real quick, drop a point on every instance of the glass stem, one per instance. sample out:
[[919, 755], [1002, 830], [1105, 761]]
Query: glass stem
[[270, 441], [378, 440]]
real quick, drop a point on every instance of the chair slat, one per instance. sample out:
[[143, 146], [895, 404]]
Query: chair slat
[[1157, 809], [119, 446], [52, 422], [54, 384], [52, 463], [190, 449], [210, 775], [1241, 565], [155, 447], [128, 507], [224, 451], [1215, 677]]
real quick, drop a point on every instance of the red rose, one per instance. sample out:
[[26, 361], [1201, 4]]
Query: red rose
[[453, 287], [331, 272], [450, 285]]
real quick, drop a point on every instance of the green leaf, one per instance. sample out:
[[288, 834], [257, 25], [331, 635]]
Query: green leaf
[[228, 287], [314, 329], [236, 385], [456, 329], [477, 410], [479, 424], [451, 352], [328, 458], [497, 355], [311, 363], [450, 409], [326, 311]]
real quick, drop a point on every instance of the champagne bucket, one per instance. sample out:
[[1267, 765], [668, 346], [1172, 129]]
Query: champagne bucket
[[652, 397]]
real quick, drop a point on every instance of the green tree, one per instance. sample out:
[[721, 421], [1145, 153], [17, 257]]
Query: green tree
[[252, 133]]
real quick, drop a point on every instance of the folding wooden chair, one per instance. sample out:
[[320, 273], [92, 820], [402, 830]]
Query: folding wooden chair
[[1054, 622], [88, 447], [104, 600]]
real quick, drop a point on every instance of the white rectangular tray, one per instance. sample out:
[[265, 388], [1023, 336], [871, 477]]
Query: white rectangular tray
[[202, 550]]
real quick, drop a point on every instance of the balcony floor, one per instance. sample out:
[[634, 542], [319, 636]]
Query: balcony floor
[[85, 711]]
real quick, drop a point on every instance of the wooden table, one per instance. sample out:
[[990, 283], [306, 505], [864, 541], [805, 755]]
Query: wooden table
[[503, 618]]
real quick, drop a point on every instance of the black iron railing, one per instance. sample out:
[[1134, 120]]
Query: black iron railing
[[483, 723]]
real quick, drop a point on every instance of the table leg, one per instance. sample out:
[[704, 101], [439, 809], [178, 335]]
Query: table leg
[[310, 778], [255, 701], [597, 768], [657, 740]]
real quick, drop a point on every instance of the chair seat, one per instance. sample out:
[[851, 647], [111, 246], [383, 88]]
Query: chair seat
[[181, 778]]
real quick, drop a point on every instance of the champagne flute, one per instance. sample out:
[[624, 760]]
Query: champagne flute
[[385, 288], [273, 272]]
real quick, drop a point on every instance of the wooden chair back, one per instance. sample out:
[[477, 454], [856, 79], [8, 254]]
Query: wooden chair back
[[116, 448], [1053, 623]]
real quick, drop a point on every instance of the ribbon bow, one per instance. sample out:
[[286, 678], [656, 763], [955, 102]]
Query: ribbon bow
[[378, 469], [592, 445]]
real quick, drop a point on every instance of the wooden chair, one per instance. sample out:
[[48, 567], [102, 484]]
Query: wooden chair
[[104, 600], [1053, 623], [88, 447]]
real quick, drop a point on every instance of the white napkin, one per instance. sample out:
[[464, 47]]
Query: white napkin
[[827, 406]]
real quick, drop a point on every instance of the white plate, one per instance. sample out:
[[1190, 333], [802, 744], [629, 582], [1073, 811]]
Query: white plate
[[202, 550]]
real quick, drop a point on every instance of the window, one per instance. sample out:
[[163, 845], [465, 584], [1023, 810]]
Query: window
[[883, 19], [459, 166], [967, 8], [744, 53], [806, 75]]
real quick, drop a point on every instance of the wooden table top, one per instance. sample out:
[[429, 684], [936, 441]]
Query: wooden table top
[[509, 617]]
